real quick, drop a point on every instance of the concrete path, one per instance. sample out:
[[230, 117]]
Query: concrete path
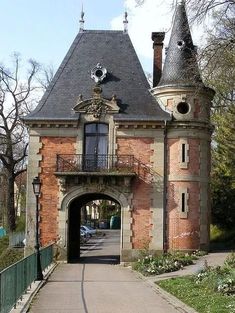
[[99, 285]]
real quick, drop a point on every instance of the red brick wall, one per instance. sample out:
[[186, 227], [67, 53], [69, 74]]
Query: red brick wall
[[183, 232], [49, 192], [142, 190], [174, 157]]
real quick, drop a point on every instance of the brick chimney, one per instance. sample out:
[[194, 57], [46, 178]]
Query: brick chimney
[[157, 38]]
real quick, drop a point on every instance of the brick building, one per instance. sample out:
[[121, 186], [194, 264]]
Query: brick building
[[100, 132]]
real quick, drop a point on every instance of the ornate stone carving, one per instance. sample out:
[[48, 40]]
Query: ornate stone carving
[[96, 105], [62, 184]]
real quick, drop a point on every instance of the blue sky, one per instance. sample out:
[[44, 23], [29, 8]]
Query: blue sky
[[44, 29]]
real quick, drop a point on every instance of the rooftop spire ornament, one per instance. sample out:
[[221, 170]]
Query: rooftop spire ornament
[[81, 21], [125, 22]]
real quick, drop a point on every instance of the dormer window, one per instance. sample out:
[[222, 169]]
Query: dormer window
[[180, 44], [98, 73]]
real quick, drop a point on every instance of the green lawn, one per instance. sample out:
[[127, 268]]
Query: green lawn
[[199, 296]]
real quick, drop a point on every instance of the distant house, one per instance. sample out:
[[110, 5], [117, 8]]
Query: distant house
[[100, 132]]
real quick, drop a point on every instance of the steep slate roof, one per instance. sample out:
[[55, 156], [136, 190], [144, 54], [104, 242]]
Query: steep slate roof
[[180, 68], [125, 79]]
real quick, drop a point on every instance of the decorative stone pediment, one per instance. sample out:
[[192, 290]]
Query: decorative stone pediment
[[96, 105]]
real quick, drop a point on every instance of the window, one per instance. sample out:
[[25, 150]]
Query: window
[[183, 202], [183, 108], [183, 149], [95, 146], [183, 152]]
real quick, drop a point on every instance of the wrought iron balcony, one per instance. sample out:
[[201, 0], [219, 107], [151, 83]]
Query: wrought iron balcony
[[78, 163]]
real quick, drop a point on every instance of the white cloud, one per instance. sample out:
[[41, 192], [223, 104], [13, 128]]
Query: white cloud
[[151, 16]]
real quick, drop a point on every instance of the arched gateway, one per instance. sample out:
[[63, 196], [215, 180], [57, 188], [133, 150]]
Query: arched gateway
[[99, 130], [69, 216]]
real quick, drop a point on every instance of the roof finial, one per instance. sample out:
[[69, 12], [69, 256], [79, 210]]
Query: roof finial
[[81, 21], [125, 22]]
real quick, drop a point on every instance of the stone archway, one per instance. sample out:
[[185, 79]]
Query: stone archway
[[83, 192]]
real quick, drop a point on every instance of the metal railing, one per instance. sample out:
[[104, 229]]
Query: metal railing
[[105, 164], [15, 280], [95, 163]]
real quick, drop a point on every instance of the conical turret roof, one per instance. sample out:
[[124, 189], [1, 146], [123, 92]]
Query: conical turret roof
[[180, 68]]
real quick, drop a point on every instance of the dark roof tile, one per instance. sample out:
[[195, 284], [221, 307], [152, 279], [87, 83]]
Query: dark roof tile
[[126, 79]]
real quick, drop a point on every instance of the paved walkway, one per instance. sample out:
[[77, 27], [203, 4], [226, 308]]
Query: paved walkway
[[92, 288], [100, 286]]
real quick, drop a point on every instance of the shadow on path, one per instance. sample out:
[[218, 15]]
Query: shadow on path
[[100, 259]]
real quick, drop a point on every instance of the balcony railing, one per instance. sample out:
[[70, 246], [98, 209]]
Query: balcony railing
[[113, 164], [96, 163]]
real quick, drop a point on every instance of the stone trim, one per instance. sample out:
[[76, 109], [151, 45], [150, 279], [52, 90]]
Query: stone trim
[[156, 219], [193, 178], [125, 201], [51, 124], [33, 170]]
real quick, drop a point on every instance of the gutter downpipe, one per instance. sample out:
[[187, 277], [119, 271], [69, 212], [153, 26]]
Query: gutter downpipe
[[165, 239]]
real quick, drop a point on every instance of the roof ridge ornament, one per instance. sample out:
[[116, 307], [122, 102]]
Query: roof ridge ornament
[[125, 23], [81, 21]]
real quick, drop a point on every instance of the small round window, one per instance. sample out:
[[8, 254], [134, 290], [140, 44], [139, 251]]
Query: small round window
[[99, 73], [183, 108]]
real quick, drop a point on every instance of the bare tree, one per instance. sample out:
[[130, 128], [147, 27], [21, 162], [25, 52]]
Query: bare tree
[[198, 10], [16, 90], [46, 75], [201, 8]]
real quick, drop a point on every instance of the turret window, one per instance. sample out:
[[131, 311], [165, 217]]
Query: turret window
[[180, 44], [183, 153], [183, 202], [183, 107]]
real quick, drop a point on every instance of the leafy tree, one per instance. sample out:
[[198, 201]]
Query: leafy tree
[[223, 169], [218, 67], [17, 91]]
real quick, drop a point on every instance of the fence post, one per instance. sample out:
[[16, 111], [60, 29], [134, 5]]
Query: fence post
[[0, 292], [15, 284]]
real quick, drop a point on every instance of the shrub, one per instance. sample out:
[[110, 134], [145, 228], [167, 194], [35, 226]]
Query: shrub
[[4, 243], [149, 265], [9, 257], [230, 260], [219, 279]]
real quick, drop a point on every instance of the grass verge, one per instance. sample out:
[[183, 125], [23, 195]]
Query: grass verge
[[199, 297], [210, 291]]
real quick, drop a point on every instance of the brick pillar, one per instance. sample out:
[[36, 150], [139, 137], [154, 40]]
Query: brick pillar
[[157, 56]]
